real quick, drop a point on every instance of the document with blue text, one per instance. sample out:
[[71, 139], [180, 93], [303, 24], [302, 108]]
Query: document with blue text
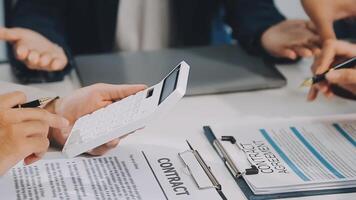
[[294, 154]]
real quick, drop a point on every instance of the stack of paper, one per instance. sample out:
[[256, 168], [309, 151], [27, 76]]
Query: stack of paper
[[295, 155]]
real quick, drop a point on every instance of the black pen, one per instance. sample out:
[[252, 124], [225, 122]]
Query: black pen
[[350, 63], [36, 103]]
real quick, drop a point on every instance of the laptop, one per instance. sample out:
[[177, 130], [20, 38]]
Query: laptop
[[214, 69]]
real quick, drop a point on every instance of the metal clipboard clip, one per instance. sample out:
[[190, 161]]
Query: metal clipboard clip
[[198, 169], [233, 169]]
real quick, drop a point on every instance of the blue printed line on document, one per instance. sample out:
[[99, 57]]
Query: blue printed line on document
[[316, 153], [345, 134], [284, 156]]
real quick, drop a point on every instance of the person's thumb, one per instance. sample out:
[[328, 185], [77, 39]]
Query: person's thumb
[[9, 35], [342, 76], [117, 92]]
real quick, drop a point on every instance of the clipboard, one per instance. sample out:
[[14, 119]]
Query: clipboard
[[200, 171], [239, 179]]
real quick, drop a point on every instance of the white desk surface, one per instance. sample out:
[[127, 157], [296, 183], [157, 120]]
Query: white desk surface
[[187, 119]]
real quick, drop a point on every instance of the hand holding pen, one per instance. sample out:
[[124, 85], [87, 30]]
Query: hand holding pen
[[339, 79], [23, 132], [350, 63]]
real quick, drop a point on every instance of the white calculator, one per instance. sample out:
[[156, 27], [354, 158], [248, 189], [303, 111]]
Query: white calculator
[[127, 115]]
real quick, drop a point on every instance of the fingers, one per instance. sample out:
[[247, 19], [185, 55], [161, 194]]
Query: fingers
[[300, 51], [311, 26], [31, 128], [316, 50], [325, 59], [101, 150], [322, 87], [21, 52], [322, 17], [60, 60], [342, 76], [36, 51], [45, 60], [326, 30], [112, 144], [314, 39], [127, 90], [36, 61], [303, 51], [33, 59], [313, 93], [33, 114], [58, 64], [309, 47], [343, 48], [35, 148], [329, 93], [289, 53], [116, 92], [54, 121], [12, 99], [9, 34], [331, 50], [33, 158], [59, 137]]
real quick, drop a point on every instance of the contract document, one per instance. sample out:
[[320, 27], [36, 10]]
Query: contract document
[[295, 155], [128, 172]]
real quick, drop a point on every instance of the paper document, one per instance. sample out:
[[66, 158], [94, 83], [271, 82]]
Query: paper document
[[295, 155], [126, 173]]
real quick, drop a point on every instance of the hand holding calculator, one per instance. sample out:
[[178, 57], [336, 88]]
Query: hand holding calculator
[[127, 115]]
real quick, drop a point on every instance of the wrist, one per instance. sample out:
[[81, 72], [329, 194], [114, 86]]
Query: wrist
[[264, 39], [267, 43]]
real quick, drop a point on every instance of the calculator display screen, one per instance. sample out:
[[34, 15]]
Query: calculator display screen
[[169, 84]]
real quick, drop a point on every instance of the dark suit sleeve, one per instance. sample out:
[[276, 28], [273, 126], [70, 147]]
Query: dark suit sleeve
[[47, 18], [345, 29], [249, 19]]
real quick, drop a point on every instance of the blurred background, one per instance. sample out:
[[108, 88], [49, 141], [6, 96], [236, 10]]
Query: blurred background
[[291, 9]]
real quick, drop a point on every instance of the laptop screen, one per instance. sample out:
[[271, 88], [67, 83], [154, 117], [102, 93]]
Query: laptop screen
[[169, 84]]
